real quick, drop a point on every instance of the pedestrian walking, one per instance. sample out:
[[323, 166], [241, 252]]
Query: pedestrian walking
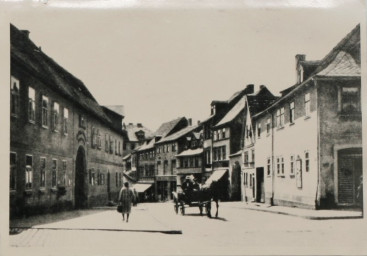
[[126, 198]]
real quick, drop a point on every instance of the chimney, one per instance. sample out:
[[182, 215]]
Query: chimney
[[262, 87], [249, 89], [299, 73], [26, 33], [198, 122], [189, 120], [140, 125]]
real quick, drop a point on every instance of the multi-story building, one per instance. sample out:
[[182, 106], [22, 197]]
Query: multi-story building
[[180, 155], [309, 141], [65, 149], [254, 103], [222, 136], [135, 136]]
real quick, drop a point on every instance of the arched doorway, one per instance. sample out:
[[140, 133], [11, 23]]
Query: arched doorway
[[80, 179]]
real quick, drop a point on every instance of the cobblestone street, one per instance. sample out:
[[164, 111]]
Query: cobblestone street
[[155, 229]]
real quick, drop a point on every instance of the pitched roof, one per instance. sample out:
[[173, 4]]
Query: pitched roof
[[147, 145], [53, 75], [167, 127], [179, 134], [233, 112], [343, 60], [132, 129]]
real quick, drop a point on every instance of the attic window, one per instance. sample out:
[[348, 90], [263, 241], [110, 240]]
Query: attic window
[[350, 99]]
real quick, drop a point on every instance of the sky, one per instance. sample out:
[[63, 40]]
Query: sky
[[168, 59]]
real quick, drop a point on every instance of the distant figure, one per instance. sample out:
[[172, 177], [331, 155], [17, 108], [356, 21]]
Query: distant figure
[[126, 197]]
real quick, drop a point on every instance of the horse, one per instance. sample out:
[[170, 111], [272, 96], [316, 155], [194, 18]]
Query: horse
[[204, 197]]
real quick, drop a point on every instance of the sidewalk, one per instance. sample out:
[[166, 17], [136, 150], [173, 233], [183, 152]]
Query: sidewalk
[[300, 212], [108, 219]]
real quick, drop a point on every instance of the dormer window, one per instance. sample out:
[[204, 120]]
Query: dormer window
[[213, 110], [140, 135]]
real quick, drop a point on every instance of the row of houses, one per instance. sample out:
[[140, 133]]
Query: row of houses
[[66, 150], [302, 148]]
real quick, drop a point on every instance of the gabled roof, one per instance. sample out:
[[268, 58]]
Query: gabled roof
[[24, 51], [147, 145], [233, 112], [343, 60], [132, 129], [179, 134], [167, 127]]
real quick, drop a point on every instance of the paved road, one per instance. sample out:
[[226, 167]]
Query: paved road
[[236, 231]]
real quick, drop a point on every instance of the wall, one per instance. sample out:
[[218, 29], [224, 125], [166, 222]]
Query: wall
[[295, 139], [336, 131]]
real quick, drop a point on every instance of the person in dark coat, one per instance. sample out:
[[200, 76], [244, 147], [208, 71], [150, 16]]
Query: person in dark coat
[[126, 198]]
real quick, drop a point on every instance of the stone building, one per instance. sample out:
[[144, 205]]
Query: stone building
[[309, 141], [65, 149]]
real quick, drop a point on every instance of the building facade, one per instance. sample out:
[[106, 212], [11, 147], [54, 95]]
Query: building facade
[[65, 149], [311, 149]]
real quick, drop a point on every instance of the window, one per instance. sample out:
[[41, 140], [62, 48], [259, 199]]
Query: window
[[31, 105], [215, 135], [246, 157], [282, 164], [268, 166], [82, 121], [55, 116], [213, 110], [99, 140], [43, 172], [44, 111], [98, 177], [350, 99], [102, 179], [281, 117], [307, 104], [258, 130], [307, 161], [65, 121], [291, 171], [278, 165], [28, 171], [111, 145], [291, 112], [253, 155], [268, 126], [250, 180], [116, 152], [173, 166], [223, 133], [54, 173], [93, 137], [120, 180], [224, 153], [207, 156], [119, 148], [64, 172], [107, 147], [174, 147], [14, 96], [278, 118], [13, 170], [167, 150], [117, 179]]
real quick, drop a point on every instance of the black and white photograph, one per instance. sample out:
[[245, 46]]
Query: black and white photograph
[[183, 127]]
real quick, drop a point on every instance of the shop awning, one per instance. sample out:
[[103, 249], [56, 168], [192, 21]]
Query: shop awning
[[215, 176], [140, 188]]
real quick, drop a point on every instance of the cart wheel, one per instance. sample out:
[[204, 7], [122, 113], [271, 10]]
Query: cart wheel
[[183, 210]]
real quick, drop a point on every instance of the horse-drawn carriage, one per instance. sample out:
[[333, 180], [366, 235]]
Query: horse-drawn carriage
[[201, 197]]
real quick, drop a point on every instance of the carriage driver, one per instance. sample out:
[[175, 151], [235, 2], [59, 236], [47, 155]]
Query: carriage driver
[[189, 186]]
